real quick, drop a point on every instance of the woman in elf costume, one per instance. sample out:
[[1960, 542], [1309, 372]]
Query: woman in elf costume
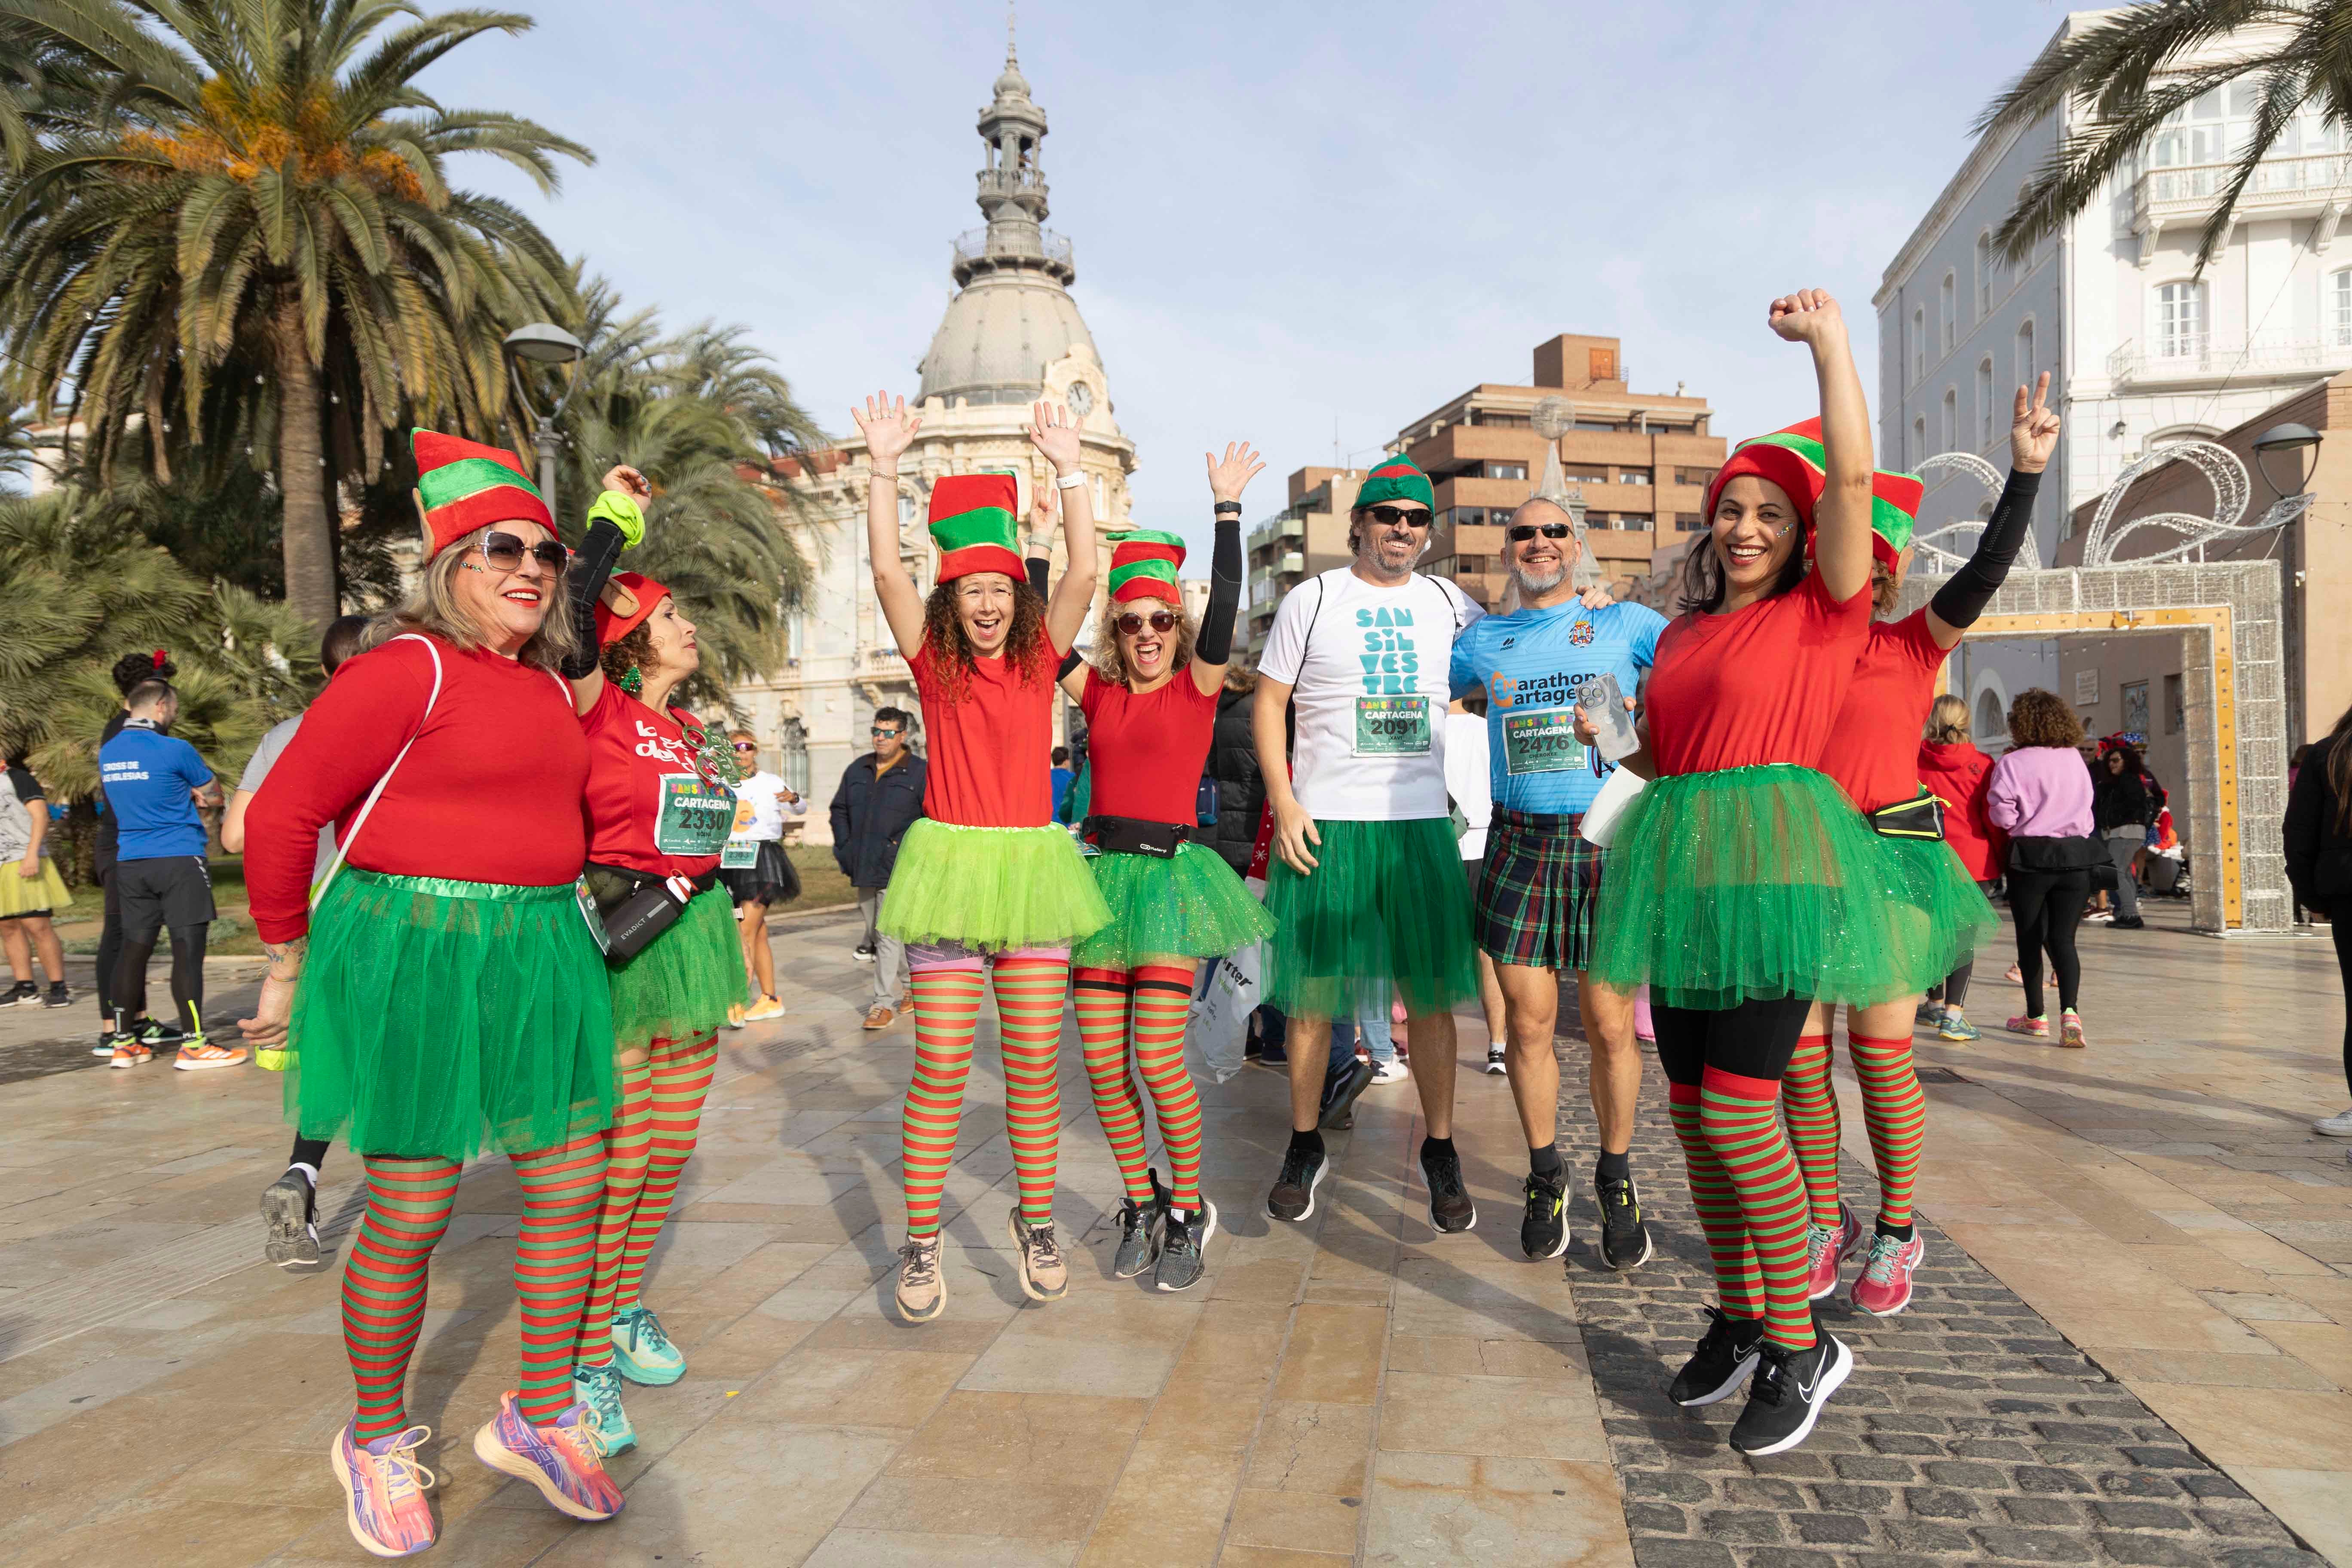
[[1872, 752], [448, 995], [986, 889], [660, 805], [1150, 700]]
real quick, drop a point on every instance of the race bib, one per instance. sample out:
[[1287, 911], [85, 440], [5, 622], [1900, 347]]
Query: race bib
[[695, 815], [1543, 742], [1392, 726], [739, 855], [596, 919]]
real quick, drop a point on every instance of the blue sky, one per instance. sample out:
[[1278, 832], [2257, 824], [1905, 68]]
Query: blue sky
[[1288, 217]]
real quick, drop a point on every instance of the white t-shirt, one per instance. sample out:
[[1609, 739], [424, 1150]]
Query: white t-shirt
[[1468, 780], [264, 757], [1369, 668], [760, 807]]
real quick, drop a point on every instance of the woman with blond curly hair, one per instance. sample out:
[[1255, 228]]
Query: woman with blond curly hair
[[2041, 796]]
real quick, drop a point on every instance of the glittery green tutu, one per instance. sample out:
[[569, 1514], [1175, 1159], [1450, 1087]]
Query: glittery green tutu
[[1189, 906], [1942, 918], [680, 984], [994, 888], [1386, 901]]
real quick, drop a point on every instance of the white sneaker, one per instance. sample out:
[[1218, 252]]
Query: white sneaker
[[2337, 1126], [1495, 1063], [1390, 1073], [2099, 918]]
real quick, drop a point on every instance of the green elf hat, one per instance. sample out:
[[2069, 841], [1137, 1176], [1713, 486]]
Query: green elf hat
[[1396, 477], [1143, 562], [1894, 512], [463, 485], [972, 523], [1791, 458]]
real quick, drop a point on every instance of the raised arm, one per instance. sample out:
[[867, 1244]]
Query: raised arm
[[1056, 437], [1213, 650], [1842, 517], [2032, 436], [616, 523], [889, 430]]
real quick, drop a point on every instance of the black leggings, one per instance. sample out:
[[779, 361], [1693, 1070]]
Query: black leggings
[[187, 975], [2340, 926], [1754, 1039], [110, 948], [2048, 906]]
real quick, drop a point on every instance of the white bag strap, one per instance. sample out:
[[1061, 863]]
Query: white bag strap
[[343, 848]]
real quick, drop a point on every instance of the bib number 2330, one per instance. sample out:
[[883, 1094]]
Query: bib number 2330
[[697, 815], [1392, 726]]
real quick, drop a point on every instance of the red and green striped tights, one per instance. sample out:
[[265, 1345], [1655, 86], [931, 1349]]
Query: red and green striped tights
[[1893, 1107], [1030, 987], [408, 1206], [655, 1119], [1157, 996]]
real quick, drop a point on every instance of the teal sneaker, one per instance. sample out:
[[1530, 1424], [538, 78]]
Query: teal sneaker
[[1958, 1028], [599, 1388], [642, 1353]]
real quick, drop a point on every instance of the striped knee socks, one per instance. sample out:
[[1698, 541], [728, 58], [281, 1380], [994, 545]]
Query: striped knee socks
[[1896, 1111], [1740, 1120], [1737, 1282], [408, 1208], [1810, 1101], [1103, 998], [947, 1015], [1163, 998], [681, 1081], [1029, 996], [555, 1257]]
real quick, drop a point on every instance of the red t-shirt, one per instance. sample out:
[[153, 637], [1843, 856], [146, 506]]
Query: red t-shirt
[[491, 792], [1873, 747], [1148, 752], [1760, 685], [650, 809], [1962, 775], [990, 747]]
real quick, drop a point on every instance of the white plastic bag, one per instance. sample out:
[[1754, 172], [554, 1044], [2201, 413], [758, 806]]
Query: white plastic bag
[[1218, 1030], [1617, 792]]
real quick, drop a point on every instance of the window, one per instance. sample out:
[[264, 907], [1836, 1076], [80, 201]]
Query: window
[[2339, 307], [1984, 275], [1585, 478], [1700, 477], [2135, 695], [1918, 443], [1944, 310], [1633, 476], [1506, 470], [1990, 720], [1688, 522], [1918, 346], [1984, 403], [2175, 709], [2026, 366], [1592, 425], [2180, 321], [1951, 420]]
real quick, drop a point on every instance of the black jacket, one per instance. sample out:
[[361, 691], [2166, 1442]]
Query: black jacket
[[869, 817], [1241, 790], [2119, 800], [2318, 852]]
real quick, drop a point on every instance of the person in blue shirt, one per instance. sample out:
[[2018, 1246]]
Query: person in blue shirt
[[155, 783], [1536, 894], [1061, 777]]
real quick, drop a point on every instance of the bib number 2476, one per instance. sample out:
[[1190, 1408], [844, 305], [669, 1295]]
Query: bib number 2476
[[1392, 726]]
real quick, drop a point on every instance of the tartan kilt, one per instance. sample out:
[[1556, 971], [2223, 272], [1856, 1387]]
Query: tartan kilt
[[1535, 899]]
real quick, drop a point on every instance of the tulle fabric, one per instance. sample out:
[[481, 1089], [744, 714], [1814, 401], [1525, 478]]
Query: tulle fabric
[[1387, 900], [995, 889], [680, 984], [1189, 906], [43, 894]]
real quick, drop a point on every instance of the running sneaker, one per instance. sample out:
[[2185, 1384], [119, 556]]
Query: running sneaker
[[1293, 1197], [286, 1204], [1341, 1091], [599, 1388], [1450, 1208], [1827, 1247], [198, 1053], [564, 1459], [1931, 1011], [735, 1014], [765, 1008], [106, 1040], [1182, 1253], [922, 1293], [2337, 1126], [129, 1053], [1543, 1229], [1044, 1276], [2036, 1028], [2099, 918], [1884, 1286], [1786, 1396], [384, 1491], [2069, 1030], [24, 994], [58, 996], [1624, 1234], [863, 953], [154, 1032], [1725, 1355], [642, 1353], [2014, 975], [1494, 1062], [1391, 1071], [1138, 1233], [1956, 1028]]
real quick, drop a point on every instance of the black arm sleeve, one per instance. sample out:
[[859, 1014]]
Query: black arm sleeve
[[599, 553], [1960, 600], [1215, 643]]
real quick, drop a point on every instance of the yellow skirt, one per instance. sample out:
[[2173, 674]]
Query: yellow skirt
[[23, 895]]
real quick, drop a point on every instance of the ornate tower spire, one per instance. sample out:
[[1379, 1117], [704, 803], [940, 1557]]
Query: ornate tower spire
[[1012, 185]]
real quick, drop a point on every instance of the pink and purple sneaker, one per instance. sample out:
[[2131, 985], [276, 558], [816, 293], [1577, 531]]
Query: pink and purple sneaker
[[564, 1459], [1884, 1286], [1826, 1249], [384, 1491]]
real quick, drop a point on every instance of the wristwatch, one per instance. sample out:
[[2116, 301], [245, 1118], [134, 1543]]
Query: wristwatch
[[1069, 481]]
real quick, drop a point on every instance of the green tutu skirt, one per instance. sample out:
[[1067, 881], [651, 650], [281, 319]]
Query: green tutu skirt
[[1386, 902], [994, 888], [1189, 906], [1755, 883], [680, 984], [438, 1018], [1943, 916]]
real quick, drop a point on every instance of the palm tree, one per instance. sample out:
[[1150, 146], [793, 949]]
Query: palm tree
[[203, 187], [2126, 75]]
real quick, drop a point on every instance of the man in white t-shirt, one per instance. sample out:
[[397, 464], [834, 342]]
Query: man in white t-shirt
[[1366, 878]]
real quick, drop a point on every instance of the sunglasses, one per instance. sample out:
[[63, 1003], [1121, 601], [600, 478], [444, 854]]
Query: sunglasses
[[1131, 623], [505, 551], [746, 746], [883, 734], [1523, 531], [1390, 516]]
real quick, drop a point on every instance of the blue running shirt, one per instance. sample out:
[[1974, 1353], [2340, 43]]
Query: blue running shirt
[[1531, 662], [147, 776]]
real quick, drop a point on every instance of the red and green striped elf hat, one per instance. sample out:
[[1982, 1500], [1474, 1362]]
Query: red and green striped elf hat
[[463, 485], [1396, 477], [1143, 562], [1794, 459], [1894, 512], [972, 523]]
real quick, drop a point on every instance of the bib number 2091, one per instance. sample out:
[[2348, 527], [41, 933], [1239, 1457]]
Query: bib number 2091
[[1392, 726]]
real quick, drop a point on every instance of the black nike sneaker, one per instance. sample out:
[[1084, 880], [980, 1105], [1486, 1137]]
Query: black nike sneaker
[[1450, 1208], [1543, 1231], [1341, 1089], [1293, 1197], [1624, 1238], [1726, 1355], [1786, 1394]]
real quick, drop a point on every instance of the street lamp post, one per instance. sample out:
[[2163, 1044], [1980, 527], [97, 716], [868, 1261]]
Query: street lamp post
[[2296, 440], [543, 342]]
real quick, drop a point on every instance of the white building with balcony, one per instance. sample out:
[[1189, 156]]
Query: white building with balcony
[[2142, 346]]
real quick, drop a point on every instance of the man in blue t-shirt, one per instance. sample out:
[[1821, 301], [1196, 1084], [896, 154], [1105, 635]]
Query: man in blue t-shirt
[[1536, 896], [154, 783]]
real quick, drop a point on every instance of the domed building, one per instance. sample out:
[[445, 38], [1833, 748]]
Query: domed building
[[1011, 335]]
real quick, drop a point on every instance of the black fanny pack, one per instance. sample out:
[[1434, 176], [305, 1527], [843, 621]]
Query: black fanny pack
[[636, 908], [1136, 836], [1920, 819], [2038, 853]]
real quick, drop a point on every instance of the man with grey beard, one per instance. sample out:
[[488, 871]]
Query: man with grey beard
[[1535, 899]]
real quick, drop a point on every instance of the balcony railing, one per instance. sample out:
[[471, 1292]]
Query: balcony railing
[[881, 661], [2206, 356], [972, 244], [2307, 182]]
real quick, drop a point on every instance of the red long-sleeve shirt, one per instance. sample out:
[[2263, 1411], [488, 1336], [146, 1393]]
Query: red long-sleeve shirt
[[493, 790]]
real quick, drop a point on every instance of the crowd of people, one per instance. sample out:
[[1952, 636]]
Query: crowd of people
[[511, 890]]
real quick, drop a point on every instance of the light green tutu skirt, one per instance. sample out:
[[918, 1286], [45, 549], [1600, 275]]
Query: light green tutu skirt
[[439, 1017], [1386, 901], [1944, 918], [1757, 883], [680, 984], [1189, 906], [994, 888]]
